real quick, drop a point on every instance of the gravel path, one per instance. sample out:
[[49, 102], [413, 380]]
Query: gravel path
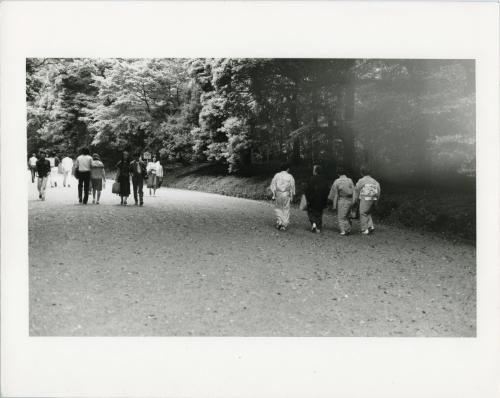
[[191, 263]]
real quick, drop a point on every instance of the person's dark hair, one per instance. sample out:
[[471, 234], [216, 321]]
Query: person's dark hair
[[137, 154], [85, 151], [340, 170], [365, 170], [284, 166], [123, 154]]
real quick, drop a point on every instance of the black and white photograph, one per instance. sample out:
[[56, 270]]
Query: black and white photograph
[[251, 197], [244, 199]]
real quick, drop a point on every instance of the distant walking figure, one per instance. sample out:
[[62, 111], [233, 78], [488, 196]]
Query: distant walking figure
[[32, 166], [43, 171], [317, 199], [67, 169], [139, 174], [283, 189], [155, 174], [83, 165], [367, 191], [54, 162], [342, 196], [97, 177], [123, 177]]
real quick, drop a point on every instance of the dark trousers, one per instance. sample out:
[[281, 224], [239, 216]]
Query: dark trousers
[[33, 171], [138, 183], [315, 216], [83, 183]]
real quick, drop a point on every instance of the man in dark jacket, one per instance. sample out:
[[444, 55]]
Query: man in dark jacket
[[43, 171], [139, 174]]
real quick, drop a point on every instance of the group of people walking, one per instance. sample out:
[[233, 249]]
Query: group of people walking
[[348, 199], [91, 176], [139, 172], [48, 169]]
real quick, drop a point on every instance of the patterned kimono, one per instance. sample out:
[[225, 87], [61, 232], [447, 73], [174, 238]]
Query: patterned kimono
[[368, 192], [283, 189], [341, 195]]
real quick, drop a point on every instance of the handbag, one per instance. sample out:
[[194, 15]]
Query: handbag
[[303, 203], [116, 187]]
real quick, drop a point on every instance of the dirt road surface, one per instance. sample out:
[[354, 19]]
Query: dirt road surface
[[197, 264]]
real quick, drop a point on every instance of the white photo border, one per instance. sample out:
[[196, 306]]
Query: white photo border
[[245, 367]]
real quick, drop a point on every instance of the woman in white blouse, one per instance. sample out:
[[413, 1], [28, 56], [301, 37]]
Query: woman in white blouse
[[155, 175]]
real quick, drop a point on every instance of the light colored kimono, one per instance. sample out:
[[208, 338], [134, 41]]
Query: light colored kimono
[[368, 192], [283, 189], [341, 195]]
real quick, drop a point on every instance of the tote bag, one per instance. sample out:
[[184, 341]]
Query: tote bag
[[116, 187], [303, 203]]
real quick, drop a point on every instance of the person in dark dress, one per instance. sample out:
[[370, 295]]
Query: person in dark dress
[[123, 177], [317, 199]]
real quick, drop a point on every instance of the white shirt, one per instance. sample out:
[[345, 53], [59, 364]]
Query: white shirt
[[159, 169], [32, 161], [67, 163], [84, 162], [155, 167]]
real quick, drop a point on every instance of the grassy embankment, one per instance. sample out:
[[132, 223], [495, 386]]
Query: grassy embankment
[[446, 210]]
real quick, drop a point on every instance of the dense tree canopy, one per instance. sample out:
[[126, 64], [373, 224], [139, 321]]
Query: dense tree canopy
[[403, 117]]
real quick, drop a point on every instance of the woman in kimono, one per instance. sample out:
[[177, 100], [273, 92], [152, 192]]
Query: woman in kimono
[[283, 189], [317, 199], [123, 177]]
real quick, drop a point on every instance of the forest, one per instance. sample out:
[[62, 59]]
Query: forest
[[405, 119]]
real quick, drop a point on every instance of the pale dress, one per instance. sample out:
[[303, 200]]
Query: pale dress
[[283, 189]]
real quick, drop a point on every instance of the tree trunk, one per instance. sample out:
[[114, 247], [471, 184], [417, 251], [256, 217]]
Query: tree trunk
[[346, 130], [294, 125], [296, 142]]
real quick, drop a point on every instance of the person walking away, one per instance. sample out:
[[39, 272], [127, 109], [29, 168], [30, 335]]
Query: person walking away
[[83, 166], [52, 175], [283, 189], [159, 175], [123, 177], [139, 174], [32, 166], [67, 170], [367, 191], [317, 198], [342, 196], [97, 177], [43, 171], [155, 172]]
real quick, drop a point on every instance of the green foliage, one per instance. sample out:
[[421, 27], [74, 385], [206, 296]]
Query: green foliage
[[404, 117]]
